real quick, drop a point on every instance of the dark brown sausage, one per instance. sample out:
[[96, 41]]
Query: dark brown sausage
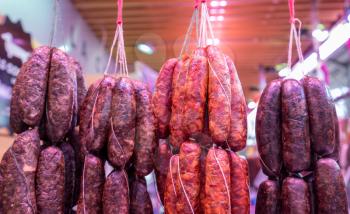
[[161, 100], [140, 202], [188, 186], [122, 123], [295, 196], [145, 143], [237, 137], [240, 201], [267, 200], [330, 188], [295, 127], [81, 88], [100, 115], [161, 162], [219, 96], [335, 154], [69, 176], [170, 195], [196, 89], [50, 181], [61, 96], [320, 111], [178, 95], [17, 172], [116, 193], [91, 189], [31, 84], [217, 182], [268, 127]]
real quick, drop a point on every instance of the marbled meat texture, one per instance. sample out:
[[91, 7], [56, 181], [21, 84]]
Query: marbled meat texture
[[268, 198], [295, 196], [140, 201]]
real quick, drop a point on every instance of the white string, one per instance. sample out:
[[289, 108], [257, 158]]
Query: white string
[[121, 63], [182, 186], [296, 35], [111, 51], [188, 34], [171, 173]]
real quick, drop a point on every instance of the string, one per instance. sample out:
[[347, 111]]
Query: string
[[171, 173], [182, 186], [53, 31], [120, 12], [188, 34], [111, 52]]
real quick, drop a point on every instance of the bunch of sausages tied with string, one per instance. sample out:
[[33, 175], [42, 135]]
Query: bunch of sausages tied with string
[[298, 140], [201, 122], [37, 173]]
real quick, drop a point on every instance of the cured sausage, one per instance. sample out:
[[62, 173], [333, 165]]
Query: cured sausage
[[99, 123], [335, 154], [170, 195], [203, 157], [268, 127], [91, 189], [330, 188], [178, 95], [122, 123], [237, 137], [85, 129], [240, 201], [116, 193], [320, 111], [74, 141], [28, 102], [189, 178], [162, 159], [196, 89], [17, 174], [295, 196], [61, 96], [140, 202], [217, 182], [219, 96], [295, 127], [69, 176], [50, 180], [267, 201], [145, 131], [161, 100], [81, 88]]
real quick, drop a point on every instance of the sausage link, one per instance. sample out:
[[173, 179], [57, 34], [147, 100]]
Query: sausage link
[[219, 96], [237, 137], [295, 196], [295, 127], [140, 201], [268, 127], [161, 100], [267, 200], [171, 194]]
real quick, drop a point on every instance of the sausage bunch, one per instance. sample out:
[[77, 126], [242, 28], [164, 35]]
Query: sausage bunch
[[201, 94], [116, 125], [296, 132]]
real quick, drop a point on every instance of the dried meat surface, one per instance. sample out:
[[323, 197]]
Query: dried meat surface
[[140, 201], [170, 195], [295, 196], [17, 174], [267, 201], [50, 181]]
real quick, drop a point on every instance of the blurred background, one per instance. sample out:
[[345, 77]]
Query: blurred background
[[255, 33]]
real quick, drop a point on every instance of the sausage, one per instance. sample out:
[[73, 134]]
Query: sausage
[[30, 88], [170, 195], [267, 200], [17, 174], [268, 127], [61, 97], [161, 162], [178, 95], [140, 202], [219, 96], [237, 137], [69, 176], [116, 193], [100, 115], [91, 189], [335, 154], [161, 100], [217, 182], [295, 127], [240, 201], [295, 196], [330, 188], [122, 123], [81, 88], [188, 186], [50, 180], [203, 156], [320, 111], [145, 144], [86, 132], [196, 88]]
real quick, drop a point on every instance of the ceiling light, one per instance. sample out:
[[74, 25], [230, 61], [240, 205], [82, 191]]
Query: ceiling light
[[223, 3], [284, 72], [144, 48], [214, 3], [217, 11], [212, 18], [220, 18], [213, 42], [251, 104], [320, 35]]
